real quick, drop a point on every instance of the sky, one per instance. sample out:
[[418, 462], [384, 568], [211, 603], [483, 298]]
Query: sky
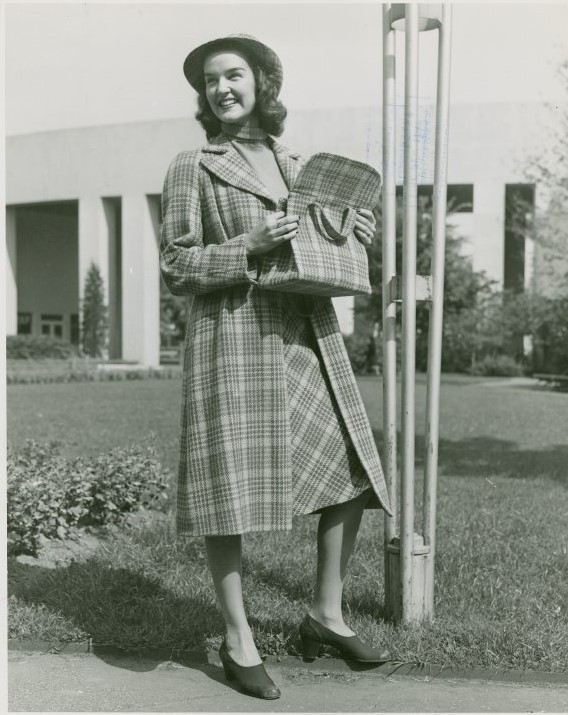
[[90, 63]]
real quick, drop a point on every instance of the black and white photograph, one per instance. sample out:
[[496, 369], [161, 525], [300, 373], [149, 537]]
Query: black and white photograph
[[286, 370]]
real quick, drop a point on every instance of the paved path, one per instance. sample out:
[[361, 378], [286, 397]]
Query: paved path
[[90, 683]]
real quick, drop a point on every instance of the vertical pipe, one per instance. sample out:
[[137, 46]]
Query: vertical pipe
[[409, 305], [389, 271], [436, 309]]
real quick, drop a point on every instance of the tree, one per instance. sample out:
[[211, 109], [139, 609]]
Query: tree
[[548, 170], [545, 320], [94, 328], [542, 313], [173, 317], [467, 294]]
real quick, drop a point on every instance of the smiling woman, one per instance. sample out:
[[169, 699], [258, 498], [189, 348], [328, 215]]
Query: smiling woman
[[273, 424], [230, 88]]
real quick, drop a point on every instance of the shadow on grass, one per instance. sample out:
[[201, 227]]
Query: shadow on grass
[[120, 610], [134, 622], [301, 590], [486, 456], [483, 456]]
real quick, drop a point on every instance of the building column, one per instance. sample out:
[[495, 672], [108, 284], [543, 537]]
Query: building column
[[140, 281], [11, 267], [93, 242], [489, 229], [345, 311]]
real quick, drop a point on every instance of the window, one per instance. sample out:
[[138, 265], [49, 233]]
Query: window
[[459, 196], [519, 209], [52, 325], [24, 323], [74, 329]]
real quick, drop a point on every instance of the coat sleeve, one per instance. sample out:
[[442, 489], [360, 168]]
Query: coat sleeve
[[187, 265]]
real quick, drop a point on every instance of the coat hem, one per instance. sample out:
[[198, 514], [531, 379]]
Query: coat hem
[[373, 503]]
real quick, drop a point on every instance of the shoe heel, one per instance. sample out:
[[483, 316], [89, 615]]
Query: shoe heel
[[310, 648], [228, 673]]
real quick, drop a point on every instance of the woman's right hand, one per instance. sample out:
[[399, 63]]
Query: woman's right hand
[[275, 229]]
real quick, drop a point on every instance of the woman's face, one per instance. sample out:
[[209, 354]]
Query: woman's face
[[230, 87]]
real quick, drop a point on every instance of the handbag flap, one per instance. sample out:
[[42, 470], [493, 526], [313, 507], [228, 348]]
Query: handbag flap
[[333, 179]]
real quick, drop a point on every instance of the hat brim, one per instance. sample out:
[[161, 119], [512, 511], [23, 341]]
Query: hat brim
[[249, 46]]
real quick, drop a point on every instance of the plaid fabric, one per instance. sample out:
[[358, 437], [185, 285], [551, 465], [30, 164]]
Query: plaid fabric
[[241, 464], [325, 466], [325, 258]]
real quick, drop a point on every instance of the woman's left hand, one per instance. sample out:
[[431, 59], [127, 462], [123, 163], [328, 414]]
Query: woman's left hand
[[365, 226]]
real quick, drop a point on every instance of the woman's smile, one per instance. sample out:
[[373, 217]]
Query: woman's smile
[[227, 103]]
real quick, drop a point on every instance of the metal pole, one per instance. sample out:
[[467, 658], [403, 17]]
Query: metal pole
[[436, 309], [409, 307], [389, 272]]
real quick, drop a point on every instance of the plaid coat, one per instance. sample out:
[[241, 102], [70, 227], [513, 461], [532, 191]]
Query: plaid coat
[[236, 434]]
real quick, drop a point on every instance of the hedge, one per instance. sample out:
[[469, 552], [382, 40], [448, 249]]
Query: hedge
[[30, 347], [49, 494]]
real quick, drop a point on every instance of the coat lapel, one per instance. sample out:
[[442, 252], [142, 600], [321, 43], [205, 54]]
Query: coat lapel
[[288, 161], [222, 159]]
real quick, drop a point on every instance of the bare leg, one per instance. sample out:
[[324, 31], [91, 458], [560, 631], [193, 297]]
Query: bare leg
[[337, 531], [225, 563]]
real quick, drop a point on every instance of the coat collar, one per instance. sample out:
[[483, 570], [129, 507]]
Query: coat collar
[[222, 159]]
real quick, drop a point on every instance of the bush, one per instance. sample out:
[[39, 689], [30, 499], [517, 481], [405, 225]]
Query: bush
[[497, 366], [37, 347], [48, 494], [364, 353], [85, 374]]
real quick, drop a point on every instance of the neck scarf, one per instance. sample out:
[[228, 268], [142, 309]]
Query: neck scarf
[[243, 133]]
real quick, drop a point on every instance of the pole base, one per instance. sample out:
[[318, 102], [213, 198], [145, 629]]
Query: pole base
[[417, 605]]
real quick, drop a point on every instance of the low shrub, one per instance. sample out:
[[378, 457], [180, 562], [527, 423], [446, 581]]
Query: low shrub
[[49, 494], [68, 373], [497, 366], [364, 353], [36, 347]]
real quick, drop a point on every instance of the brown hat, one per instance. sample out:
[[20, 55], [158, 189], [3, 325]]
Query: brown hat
[[249, 46]]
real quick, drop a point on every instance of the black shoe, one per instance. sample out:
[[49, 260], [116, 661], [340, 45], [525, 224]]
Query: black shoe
[[252, 680], [314, 635]]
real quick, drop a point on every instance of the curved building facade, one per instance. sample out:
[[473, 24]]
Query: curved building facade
[[92, 195]]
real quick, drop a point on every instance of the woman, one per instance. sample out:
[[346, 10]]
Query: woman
[[272, 420]]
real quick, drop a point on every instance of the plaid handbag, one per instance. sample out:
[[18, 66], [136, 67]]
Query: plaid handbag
[[325, 258]]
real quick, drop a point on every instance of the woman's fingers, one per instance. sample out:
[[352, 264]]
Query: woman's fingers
[[363, 234], [284, 219], [286, 228], [365, 224], [286, 225]]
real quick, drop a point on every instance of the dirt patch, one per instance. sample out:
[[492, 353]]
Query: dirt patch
[[82, 542]]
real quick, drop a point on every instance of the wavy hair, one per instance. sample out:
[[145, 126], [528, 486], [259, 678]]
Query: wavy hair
[[269, 110]]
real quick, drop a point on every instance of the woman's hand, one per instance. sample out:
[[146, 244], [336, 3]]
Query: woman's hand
[[365, 226], [275, 229]]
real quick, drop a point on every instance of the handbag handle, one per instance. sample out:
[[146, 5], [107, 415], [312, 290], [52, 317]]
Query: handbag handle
[[325, 225]]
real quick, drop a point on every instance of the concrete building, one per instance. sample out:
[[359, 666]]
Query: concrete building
[[93, 195]]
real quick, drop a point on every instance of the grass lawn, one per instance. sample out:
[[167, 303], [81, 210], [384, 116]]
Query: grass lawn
[[502, 557]]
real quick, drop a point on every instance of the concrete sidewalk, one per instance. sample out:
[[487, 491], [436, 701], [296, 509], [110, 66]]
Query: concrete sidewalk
[[108, 683]]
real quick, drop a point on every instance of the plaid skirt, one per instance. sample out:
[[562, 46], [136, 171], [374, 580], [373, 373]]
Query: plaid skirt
[[325, 467]]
